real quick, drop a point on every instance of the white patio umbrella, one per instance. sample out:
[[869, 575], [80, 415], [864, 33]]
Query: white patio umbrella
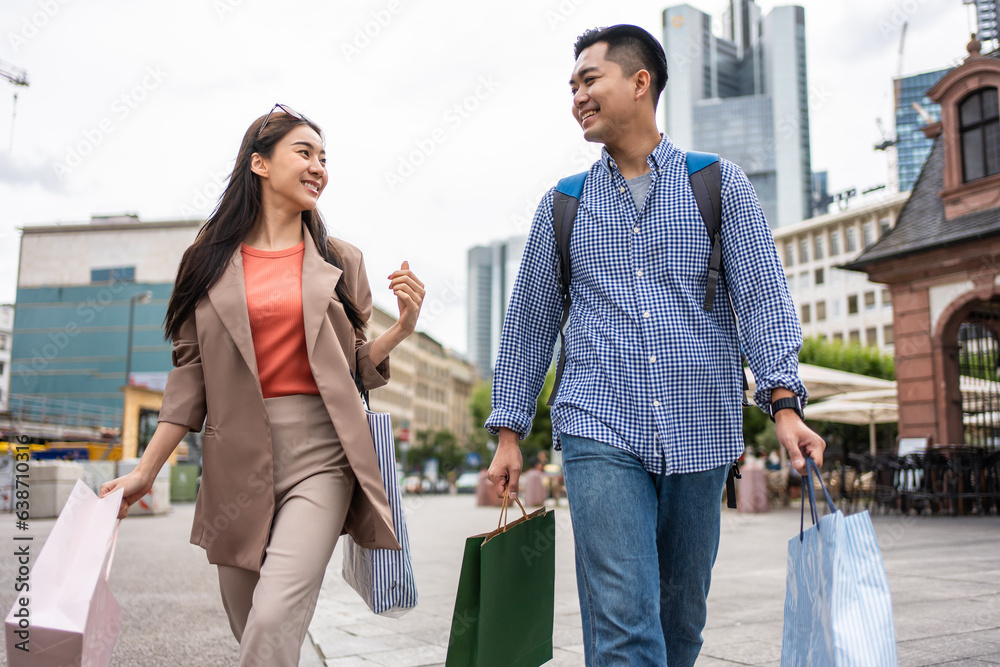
[[822, 382], [977, 395], [855, 412]]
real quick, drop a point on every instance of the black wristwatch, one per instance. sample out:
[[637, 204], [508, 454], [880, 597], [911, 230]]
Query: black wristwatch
[[789, 403]]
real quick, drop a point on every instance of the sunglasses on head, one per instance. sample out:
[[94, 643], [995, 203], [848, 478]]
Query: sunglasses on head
[[288, 110]]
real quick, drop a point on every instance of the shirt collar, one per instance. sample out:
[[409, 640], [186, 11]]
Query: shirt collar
[[657, 160]]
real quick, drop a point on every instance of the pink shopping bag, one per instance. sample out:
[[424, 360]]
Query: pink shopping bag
[[70, 617]]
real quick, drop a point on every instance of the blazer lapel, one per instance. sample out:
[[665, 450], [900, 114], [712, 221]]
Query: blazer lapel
[[319, 284], [229, 298]]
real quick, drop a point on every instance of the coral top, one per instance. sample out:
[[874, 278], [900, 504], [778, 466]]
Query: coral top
[[274, 303]]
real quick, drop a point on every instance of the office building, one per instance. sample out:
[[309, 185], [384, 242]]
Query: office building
[[834, 304], [430, 386], [912, 147], [6, 343], [492, 270], [743, 95], [76, 287], [70, 330]]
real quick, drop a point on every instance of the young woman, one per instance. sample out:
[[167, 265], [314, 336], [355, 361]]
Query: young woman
[[267, 319]]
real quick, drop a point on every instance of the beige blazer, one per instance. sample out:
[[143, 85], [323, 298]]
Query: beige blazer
[[215, 376]]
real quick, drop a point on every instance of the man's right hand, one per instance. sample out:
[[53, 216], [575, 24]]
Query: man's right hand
[[507, 463]]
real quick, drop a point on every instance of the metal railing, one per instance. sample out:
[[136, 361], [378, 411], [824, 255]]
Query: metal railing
[[61, 412], [944, 480]]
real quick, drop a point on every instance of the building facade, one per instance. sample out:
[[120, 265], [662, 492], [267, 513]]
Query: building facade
[[430, 386], [835, 304], [6, 344], [942, 266], [492, 270], [744, 96], [912, 147], [77, 286], [71, 324]]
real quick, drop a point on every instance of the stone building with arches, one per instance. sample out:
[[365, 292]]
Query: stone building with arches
[[942, 264]]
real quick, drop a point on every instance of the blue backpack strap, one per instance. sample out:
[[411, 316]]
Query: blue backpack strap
[[565, 202], [572, 186], [697, 161], [705, 173]]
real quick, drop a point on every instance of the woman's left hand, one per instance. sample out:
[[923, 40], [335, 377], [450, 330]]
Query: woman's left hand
[[409, 293]]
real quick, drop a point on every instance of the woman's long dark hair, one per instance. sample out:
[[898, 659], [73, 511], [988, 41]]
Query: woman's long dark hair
[[239, 207]]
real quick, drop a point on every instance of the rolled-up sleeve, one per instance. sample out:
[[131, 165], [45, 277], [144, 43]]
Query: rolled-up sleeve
[[530, 327], [184, 396], [770, 334], [371, 376]]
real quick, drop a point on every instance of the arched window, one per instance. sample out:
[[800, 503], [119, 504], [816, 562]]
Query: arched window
[[979, 127]]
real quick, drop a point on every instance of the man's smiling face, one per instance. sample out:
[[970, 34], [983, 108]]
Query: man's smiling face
[[603, 97]]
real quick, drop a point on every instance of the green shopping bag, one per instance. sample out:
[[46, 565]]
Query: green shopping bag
[[505, 604]]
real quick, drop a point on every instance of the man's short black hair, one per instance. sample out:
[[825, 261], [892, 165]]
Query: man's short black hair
[[632, 49]]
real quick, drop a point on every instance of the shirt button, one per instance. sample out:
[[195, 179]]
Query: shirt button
[[639, 273], [656, 404], [646, 314], [635, 229], [652, 358], [621, 189]]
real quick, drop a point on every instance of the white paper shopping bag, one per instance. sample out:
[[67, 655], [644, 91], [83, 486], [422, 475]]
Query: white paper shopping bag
[[72, 618], [838, 608]]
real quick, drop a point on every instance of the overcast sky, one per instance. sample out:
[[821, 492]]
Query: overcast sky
[[445, 121]]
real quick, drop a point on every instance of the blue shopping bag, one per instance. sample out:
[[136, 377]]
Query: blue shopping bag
[[838, 611], [383, 577]]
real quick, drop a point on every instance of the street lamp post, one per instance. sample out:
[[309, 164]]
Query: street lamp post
[[140, 297]]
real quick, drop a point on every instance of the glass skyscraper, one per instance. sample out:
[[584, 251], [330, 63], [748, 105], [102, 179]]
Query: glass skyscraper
[[492, 270], [912, 147], [744, 96]]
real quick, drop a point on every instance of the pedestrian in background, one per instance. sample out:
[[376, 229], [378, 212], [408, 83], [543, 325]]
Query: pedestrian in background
[[267, 318], [648, 411]]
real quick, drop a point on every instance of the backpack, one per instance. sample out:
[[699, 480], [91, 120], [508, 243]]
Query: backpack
[[705, 174]]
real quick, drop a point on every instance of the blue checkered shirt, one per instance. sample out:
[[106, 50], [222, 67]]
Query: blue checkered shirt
[[647, 369]]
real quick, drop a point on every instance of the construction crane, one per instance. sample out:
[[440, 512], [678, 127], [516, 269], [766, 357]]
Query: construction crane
[[18, 77], [888, 143]]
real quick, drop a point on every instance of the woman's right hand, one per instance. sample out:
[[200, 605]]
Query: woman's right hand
[[135, 485]]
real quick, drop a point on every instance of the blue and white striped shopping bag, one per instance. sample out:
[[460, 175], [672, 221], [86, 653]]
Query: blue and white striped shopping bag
[[838, 612], [383, 577]]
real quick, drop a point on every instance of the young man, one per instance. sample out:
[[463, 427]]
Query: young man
[[648, 411]]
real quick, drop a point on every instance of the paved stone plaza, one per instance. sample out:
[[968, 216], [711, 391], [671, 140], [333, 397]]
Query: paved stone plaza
[[944, 573]]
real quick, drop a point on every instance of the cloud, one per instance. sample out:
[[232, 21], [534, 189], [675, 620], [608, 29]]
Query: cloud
[[17, 171]]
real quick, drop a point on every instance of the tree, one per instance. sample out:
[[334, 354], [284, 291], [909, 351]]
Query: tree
[[754, 423], [441, 445], [538, 439], [850, 357], [853, 358], [480, 405]]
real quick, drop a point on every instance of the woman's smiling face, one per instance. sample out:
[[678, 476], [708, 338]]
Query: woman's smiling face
[[296, 171]]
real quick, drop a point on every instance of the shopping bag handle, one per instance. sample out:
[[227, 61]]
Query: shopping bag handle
[[810, 468], [503, 508]]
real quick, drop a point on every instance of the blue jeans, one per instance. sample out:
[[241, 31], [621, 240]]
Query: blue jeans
[[645, 547]]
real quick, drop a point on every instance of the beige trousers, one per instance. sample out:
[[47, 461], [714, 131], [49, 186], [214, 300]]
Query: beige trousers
[[270, 612]]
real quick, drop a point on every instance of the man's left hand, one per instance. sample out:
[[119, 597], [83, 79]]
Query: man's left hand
[[799, 440]]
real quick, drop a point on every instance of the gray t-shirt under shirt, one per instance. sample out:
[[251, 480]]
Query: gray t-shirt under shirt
[[639, 186]]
